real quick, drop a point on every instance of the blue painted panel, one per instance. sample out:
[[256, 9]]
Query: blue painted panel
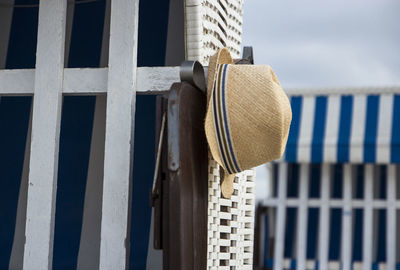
[[335, 234], [14, 120], [315, 181], [293, 180], [358, 232], [23, 36], [87, 34], [290, 232], [75, 138], [312, 235]]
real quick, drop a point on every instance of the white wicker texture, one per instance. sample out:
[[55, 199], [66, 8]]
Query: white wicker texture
[[213, 24], [210, 25], [230, 222]]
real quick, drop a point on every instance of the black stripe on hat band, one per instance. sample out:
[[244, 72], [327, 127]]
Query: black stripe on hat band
[[218, 121], [221, 122]]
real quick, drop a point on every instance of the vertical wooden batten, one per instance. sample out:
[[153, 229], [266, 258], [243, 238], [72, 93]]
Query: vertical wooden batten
[[347, 217], [47, 103], [281, 217], [114, 246], [368, 217], [324, 220], [302, 216]]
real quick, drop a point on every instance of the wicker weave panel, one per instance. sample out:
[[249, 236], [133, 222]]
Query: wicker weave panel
[[230, 221], [213, 24]]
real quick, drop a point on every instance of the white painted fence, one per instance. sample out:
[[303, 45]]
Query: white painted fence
[[47, 83], [325, 202]]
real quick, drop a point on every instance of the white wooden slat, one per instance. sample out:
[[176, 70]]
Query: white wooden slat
[[85, 81], [156, 79], [306, 129], [281, 217], [21, 81], [17, 81], [118, 156], [332, 129], [47, 102], [391, 229], [384, 131], [324, 213], [358, 204], [302, 216], [78, 81], [346, 239], [358, 128], [368, 216]]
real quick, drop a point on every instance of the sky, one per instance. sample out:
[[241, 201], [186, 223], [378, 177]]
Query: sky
[[330, 43]]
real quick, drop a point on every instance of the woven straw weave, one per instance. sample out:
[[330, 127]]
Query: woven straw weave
[[213, 24]]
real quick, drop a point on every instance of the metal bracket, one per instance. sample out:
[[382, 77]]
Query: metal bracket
[[193, 73]]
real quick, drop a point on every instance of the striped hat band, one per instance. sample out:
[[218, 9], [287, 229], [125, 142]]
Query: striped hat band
[[221, 121]]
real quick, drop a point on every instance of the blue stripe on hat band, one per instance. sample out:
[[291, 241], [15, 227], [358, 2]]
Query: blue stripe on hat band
[[221, 122], [232, 154], [217, 127]]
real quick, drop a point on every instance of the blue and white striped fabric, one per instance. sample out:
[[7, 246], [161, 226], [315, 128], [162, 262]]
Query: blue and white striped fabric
[[356, 128]]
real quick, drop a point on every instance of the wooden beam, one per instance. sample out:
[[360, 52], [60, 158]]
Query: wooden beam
[[149, 80], [347, 216], [118, 156], [17, 81], [89, 81], [302, 216], [368, 216], [324, 213], [42, 189], [391, 226], [281, 217]]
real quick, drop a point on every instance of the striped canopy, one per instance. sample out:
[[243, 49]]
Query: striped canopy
[[344, 127]]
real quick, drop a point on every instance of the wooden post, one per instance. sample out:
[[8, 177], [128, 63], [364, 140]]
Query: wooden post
[[281, 217], [47, 102], [368, 216], [391, 229], [118, 156], [347, 216], [302, 215], [323, 244]]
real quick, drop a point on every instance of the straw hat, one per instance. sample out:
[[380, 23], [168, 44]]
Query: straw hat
[[248, 116]]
